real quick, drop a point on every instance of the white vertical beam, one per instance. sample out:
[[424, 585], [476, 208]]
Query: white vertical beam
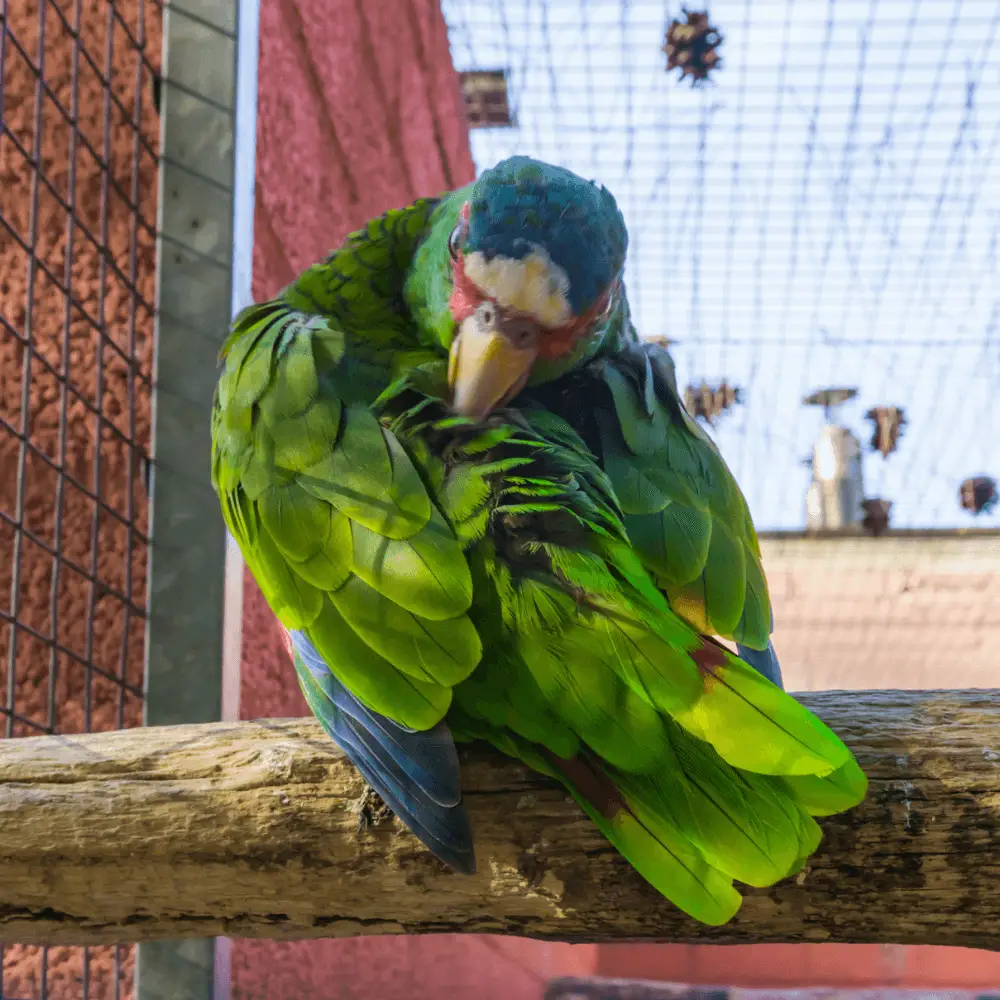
[[244, 201]]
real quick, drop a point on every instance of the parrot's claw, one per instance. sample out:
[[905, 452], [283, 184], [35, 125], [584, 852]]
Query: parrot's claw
[[372, 811]]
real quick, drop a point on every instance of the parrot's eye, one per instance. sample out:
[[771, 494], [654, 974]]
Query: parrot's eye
[[455, 241], [523, 334]]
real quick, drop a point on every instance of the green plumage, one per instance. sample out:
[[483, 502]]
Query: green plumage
[[544, 581]]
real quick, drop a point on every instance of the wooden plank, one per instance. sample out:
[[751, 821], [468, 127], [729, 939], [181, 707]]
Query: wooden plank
[[249, 829]]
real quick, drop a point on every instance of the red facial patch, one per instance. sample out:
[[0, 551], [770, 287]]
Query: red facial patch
[[561, 340], [465, 295]]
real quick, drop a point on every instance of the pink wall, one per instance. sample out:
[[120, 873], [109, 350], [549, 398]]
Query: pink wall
[[796, 966], [344, 132]]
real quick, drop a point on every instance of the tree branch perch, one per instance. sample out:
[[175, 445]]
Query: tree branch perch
[[250, 829]]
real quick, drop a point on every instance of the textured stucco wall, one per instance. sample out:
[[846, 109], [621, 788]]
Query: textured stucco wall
[[75, 350]]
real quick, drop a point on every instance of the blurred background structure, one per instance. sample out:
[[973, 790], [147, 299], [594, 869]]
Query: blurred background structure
[[818, 214]]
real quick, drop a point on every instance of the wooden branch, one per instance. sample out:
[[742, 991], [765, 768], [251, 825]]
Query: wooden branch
[[250, 830]]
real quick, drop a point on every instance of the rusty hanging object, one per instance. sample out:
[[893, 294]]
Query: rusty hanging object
[[692, 46], [888, 422], [876, 519], [978, 494], [710, 402], [664, 342], [487, 103]]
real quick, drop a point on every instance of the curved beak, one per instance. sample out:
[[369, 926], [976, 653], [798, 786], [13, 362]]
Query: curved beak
[[489, 365]]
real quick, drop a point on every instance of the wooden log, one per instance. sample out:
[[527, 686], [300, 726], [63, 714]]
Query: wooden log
[[250, 829]]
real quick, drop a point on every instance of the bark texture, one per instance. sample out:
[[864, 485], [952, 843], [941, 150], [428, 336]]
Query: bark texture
[[250, 829]]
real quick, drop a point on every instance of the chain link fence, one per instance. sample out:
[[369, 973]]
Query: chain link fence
[[78, 176]]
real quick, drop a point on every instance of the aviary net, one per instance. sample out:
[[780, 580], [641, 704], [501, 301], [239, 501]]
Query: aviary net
[[78, 171]]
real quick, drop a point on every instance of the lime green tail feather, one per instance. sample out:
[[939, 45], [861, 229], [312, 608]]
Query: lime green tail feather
[[692, 839]]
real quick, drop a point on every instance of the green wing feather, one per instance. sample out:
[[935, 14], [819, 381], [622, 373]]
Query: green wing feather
[[331, 513], [684, 513]]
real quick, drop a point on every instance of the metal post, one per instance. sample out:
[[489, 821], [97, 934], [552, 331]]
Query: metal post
[[208, 139], [833, 502]]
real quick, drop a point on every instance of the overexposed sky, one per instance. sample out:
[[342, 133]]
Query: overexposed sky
[[827, 213]]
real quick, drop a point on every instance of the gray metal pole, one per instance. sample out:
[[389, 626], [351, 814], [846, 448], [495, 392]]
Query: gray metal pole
[[208, 155]]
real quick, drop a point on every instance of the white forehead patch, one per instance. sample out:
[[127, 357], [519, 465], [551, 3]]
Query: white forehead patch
[[533, 285]]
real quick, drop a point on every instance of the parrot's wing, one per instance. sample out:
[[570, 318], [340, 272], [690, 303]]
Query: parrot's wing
[[694, 765], [685, 515], [353, 556]]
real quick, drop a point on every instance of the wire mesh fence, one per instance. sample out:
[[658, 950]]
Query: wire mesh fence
[[820, 209], [78, 171], [818, 213]]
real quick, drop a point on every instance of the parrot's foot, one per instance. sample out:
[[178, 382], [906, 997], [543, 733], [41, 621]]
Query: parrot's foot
[[372, 811]]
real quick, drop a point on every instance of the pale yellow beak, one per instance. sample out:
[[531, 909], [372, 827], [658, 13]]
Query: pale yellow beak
[[490, 362]]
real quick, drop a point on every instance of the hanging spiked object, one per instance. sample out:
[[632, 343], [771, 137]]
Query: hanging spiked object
[[978, 494], [710, 402], [876, 516], [692, 46], [888, 422]]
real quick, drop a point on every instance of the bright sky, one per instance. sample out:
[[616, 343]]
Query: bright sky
[[826, 214]]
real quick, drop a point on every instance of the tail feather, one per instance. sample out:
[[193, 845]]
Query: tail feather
[[683, 836], [659, 851], [415, 772], [745, 824], [836, 793]]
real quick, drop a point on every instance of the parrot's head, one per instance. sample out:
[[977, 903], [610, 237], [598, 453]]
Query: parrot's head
[[537, 256]]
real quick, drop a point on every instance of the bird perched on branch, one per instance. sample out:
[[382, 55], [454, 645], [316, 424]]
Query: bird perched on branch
[[477, 504]]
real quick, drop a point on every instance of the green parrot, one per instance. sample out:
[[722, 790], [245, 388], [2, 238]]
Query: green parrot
[[474, 500]]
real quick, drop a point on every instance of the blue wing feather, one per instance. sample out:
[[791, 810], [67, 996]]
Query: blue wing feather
[[416, 772], [764, 661]]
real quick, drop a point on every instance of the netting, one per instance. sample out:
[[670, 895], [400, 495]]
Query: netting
[[78, 169], [820, 212]]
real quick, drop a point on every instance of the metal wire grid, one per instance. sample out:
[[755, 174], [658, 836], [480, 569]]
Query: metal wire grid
[[820, 212], [78, 168]]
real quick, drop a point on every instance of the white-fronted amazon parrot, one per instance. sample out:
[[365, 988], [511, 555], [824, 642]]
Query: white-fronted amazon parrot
[[473, 497]]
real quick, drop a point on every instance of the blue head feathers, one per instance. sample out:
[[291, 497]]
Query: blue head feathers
[[525, 210]]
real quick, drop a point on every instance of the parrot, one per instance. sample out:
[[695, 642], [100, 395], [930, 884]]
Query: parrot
[[474, 500]]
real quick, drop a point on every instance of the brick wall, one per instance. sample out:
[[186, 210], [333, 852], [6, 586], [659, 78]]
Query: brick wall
[[75, 308]]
